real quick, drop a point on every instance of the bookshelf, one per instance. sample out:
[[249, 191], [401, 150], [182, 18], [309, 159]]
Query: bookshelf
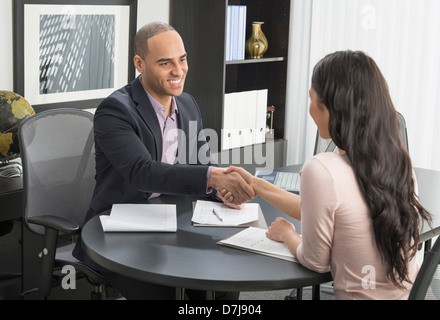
[[202, 25]]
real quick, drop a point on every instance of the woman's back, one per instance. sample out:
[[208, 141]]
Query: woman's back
[[337, 230]]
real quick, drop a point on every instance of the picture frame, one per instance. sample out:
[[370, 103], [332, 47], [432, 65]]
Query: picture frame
[[72, 53]]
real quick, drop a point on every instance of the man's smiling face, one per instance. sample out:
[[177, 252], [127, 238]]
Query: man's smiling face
[[165, 67]]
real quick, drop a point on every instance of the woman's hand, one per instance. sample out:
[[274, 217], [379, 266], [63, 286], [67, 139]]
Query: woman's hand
[[281, 230]]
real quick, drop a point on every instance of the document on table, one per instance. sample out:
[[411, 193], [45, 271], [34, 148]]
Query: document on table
[[217, 214], [140, 218], [255, 240]]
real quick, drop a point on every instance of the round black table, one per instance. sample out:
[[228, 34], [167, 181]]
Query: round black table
[[191, 258]]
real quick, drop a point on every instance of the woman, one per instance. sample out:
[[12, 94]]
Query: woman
[[359, 210]]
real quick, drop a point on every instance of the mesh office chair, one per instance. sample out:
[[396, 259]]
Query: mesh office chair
[[427, 284], [58, 180], [327, 145], [403, 131]]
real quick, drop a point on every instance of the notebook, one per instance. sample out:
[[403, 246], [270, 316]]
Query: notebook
[[255, 240], [126, 217], [289, 181]]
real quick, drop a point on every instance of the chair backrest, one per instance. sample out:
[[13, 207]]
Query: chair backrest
[[324, 145], [327, 145], [58, 156], [403, 131], [427, 284]]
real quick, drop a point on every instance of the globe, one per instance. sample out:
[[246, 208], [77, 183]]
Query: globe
[[14, 109]]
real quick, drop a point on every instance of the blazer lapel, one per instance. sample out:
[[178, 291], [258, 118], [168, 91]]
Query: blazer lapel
[[187, 140], [147, 113]]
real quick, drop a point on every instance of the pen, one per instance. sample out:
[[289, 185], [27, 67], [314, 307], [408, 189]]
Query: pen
[[215, 213]]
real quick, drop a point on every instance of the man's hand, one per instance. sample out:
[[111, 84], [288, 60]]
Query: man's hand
[[228, 196], [233, 182], [221, 195], [246, 175]]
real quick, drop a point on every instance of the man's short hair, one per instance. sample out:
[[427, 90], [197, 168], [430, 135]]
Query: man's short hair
[[146, 32]]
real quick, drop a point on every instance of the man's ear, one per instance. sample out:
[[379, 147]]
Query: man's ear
[[139, 63]]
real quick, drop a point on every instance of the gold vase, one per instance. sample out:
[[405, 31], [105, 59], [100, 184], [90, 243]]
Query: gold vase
[[257, 44]]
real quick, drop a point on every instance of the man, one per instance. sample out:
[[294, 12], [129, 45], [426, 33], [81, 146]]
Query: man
[[146, 136]]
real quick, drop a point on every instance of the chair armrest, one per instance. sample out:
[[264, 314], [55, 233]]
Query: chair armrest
[[57, 223]]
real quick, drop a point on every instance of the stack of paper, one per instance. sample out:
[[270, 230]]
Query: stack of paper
[[210, 213], [140, 218], [255, 240]]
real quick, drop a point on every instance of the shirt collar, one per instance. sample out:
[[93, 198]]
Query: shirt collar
[[158, 108]]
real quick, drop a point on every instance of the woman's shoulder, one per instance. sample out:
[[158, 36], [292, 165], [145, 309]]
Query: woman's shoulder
[[329, 165], [328, 160]]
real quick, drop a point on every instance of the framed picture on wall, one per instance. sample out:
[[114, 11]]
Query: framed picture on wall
[[72, 53]]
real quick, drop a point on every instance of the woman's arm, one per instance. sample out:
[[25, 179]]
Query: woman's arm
[[285, 201]]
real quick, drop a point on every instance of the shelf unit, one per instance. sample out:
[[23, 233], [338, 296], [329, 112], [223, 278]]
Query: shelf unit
[[202, 25]]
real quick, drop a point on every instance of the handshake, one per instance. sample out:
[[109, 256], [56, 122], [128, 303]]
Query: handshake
[[235, 186]]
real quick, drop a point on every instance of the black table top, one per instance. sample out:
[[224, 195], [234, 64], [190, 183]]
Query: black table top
[[190, 257]]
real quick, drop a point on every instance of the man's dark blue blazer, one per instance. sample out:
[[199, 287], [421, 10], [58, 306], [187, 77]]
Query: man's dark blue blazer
[[128, 145]]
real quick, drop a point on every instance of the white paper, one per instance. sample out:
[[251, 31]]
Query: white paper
[[141, 217], [203, 214], [255, 240]]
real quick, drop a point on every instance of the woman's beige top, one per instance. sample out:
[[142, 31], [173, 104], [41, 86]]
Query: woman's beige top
[[337, 232]]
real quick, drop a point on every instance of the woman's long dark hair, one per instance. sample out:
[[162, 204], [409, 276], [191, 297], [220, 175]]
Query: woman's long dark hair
[[364, 123]]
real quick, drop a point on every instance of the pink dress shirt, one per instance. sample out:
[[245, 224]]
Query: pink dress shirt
[[169, 129]]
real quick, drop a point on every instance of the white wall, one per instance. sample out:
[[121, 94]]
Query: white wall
[[401, 36], [153, 10], [148, 10], [298, 82]]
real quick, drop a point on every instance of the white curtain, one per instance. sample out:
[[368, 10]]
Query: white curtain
[[400, 35]]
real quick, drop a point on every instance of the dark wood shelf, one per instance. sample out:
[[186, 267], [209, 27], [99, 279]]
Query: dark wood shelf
[[262, 60], [202, 25]]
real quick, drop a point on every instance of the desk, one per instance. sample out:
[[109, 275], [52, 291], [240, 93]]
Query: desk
[[11, 208], [429, 193], [190, 258], [11, 198]]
